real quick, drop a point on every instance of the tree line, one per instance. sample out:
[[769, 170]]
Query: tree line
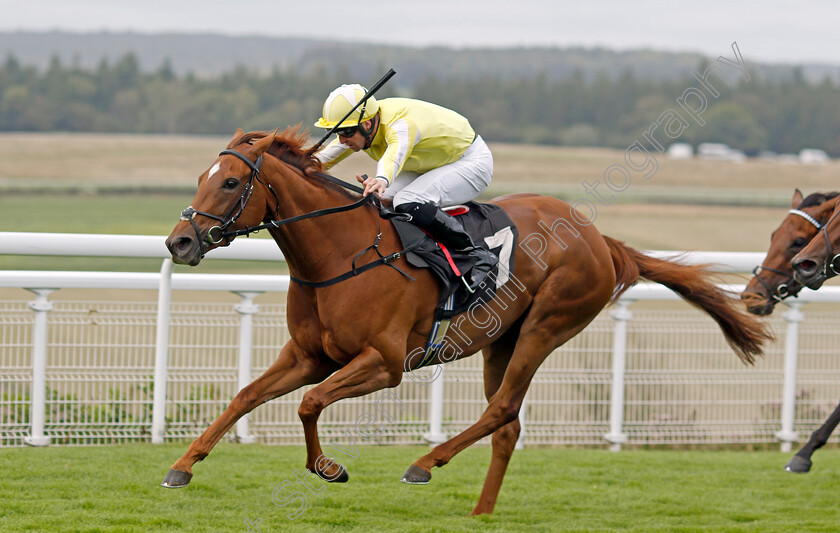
[[752, 115]]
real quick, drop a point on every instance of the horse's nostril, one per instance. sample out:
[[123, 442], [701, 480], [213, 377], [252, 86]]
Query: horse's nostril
[[183, 244], [806, 267], [179, 246]]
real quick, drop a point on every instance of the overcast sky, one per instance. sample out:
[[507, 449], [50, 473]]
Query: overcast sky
[[767, 31]]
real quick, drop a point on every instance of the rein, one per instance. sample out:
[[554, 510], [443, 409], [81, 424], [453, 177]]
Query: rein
[[221, 232], [284, 221]]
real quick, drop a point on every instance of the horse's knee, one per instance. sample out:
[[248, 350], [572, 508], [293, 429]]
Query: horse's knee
[[394, 378], [310, 407], [502, 412]]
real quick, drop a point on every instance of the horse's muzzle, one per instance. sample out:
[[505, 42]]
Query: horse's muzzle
[[757, 303], [185, 250]]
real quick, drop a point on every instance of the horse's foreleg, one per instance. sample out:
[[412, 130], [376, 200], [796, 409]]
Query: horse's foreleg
[[801, 462], [364, 374], [292, 370]]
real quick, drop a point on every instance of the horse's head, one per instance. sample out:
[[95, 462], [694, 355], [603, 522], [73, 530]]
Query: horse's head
[[820, 259], [228, 198], [774, 280]]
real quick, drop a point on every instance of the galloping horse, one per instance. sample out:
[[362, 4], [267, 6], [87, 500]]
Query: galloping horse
[[773, 281], [352, 337], [763, 292]]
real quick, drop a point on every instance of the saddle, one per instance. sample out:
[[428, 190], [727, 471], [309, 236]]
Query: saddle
[[489, 226]]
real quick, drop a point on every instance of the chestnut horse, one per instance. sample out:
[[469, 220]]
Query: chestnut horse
[[352, 337], [773, 282]]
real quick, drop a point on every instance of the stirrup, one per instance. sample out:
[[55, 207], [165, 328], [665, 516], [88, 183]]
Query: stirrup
[[485, 261], [467, 284]]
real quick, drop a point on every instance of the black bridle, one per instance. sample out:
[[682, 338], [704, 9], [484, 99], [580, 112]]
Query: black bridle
[[828, 250], [789, 287], [782, 290], [233, 214]]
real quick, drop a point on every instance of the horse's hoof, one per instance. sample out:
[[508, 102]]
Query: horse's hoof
[[798, 465], [176, 479], [342, 477], [416, 476]]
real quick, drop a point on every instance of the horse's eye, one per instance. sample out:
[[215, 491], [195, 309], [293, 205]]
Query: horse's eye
[[230, 183], [798, 243]]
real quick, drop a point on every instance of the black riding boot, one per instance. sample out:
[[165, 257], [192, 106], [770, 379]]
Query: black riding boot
[[451, 233]]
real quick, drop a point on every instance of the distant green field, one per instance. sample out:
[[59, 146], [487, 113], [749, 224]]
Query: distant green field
[[115, 489]]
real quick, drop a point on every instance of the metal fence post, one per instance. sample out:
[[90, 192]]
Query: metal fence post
[[436, 434], [161, 352], [246, 309], [621, 314], [38, 390], [787, 435], [523, 409]]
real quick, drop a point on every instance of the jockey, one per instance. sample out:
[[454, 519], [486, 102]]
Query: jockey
[[428, 157]]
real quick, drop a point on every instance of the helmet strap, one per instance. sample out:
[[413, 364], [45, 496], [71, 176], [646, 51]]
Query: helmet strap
[[368, 134]]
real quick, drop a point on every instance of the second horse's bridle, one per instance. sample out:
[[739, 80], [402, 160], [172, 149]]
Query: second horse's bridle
[[782, 290], [828, 251]]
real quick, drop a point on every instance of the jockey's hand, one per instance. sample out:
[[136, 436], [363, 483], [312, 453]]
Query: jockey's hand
[[373, 185]]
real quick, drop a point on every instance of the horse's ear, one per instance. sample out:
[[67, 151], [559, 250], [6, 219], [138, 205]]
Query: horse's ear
[[262, 145], [236, 136], [797, 198]]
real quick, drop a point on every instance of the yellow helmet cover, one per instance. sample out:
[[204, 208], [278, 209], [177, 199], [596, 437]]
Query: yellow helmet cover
[[341, 101]]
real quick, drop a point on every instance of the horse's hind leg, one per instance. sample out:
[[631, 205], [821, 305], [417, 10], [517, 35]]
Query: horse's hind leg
[[551, 321], [801, 462], [292, 370], [496, 358]]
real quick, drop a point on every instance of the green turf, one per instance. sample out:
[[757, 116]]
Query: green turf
[[116, 489]]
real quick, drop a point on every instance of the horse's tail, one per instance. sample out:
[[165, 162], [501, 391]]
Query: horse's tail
[[744, 333]]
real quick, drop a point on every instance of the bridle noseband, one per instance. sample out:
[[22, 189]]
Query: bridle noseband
[[782, 290]]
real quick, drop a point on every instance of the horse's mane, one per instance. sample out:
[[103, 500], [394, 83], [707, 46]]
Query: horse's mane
[[817, 198], [289, 147]]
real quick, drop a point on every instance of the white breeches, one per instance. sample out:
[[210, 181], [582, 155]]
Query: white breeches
[[458, 182]]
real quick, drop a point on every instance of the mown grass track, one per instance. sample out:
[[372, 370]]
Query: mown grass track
[[115, 489]]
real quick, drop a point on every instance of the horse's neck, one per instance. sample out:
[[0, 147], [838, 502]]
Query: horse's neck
[[320, 247]]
